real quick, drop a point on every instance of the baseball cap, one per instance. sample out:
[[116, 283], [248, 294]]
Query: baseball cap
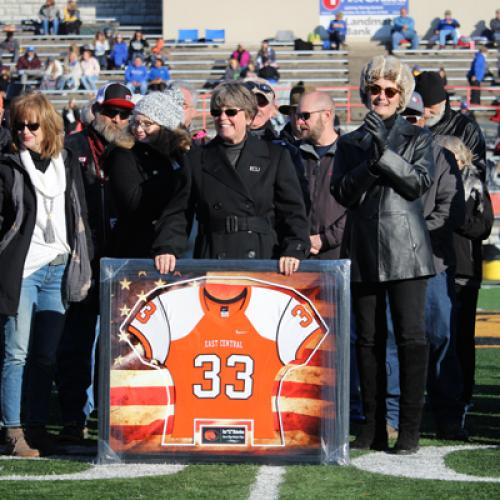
[[260, 86], [295, 95], [115, 94], [415, 103], [30, 48]]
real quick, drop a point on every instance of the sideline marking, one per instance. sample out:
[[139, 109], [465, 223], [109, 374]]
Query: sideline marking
[[267, 483], [108, 471], [427, 463]]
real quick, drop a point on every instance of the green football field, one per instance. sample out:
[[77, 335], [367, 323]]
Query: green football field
[[479, 463]]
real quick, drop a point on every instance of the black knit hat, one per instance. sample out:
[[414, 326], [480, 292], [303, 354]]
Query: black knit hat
[[431, 87]]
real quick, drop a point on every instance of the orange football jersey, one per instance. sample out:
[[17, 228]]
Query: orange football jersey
[[224, 354]]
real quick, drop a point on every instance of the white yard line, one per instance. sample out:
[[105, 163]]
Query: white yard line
[[427, 463], [113, 471], [267, 483]]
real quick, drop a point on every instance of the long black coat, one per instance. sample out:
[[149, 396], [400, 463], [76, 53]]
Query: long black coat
[[13, 256], [387, 238], [261, 195]]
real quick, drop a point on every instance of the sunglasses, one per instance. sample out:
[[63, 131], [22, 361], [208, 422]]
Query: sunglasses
[[264, 87], [32, 127], [111, 113], [411, 118], [228, 112], [305, 115], [375, 89]]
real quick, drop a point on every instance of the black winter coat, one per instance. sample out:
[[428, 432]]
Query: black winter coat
[[14, 255], [467, 239], [386, 236], [458, 125], [141, 186], [253, 211]]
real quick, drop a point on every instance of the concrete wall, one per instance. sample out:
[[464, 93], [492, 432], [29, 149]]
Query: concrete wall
[[251, 21]]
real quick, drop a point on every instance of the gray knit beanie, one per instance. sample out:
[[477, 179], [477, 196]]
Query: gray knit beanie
[[163, 108]]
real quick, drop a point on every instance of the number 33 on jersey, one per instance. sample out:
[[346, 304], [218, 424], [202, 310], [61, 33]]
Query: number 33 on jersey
[[225, 355]]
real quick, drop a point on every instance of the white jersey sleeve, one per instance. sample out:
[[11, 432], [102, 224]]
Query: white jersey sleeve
[[151, 327], [299, 321]]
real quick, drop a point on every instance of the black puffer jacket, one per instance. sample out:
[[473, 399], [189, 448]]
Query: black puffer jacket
[[386, 235], [458, 125]]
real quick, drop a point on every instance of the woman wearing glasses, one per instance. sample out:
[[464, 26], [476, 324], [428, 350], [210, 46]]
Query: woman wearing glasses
[[44, 265], [141, 177], [244, 191], [381, 171]]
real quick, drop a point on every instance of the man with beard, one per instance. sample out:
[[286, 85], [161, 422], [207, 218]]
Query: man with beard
[[261, 125], [109, 127], [313, 156], [442, 120]]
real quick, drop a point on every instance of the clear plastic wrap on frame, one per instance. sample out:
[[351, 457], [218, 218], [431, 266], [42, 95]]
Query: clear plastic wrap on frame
[[224, 361]]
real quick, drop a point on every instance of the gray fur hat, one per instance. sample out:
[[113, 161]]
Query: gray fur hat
[[163, 108]]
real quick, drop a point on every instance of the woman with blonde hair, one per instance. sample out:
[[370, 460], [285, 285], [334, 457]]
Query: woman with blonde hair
[[44, 264], [381, 171]]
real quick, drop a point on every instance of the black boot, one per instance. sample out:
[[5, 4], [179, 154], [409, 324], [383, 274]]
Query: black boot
[[412, 378], [371, 363]]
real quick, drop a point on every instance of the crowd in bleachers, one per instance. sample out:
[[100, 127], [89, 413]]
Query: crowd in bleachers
[[133, 172]]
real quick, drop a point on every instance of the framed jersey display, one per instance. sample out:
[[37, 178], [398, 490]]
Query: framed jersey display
[[224, 360]]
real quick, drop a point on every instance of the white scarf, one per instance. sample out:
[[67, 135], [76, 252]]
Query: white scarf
[[50, 183]]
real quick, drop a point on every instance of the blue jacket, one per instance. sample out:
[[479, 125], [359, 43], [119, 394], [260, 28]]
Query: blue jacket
[[119, 53], [162, 73], [446, 25], [136, 74], [340, 26], [400, 22], [478, 67]]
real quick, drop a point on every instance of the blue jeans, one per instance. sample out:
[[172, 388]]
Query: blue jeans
[[444, 384], [30, 341], [142, 87], [444, 34], [409, 35], [89, 82], [46, 25]]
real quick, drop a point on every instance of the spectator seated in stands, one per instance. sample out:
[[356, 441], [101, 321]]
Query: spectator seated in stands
[[119, 53], [233, 70], [29, 61], [137, 46], [90, 70], [403, 28], [101, 49], [242, 55], [72, 73], [266, 56], [49, 16], [493, 34], [447, 28], [71, 22], [337, 30], [158, 75], [10, 45], [52, 74], [136, 76], [157, 49], [4, 80]]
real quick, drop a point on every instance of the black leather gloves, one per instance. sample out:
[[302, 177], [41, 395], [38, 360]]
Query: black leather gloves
[[376, 127]]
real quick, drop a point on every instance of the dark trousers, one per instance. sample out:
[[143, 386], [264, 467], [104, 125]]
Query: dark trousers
[[475, 94], [406, 300], [75, 376], [337, 39], [466, 297]]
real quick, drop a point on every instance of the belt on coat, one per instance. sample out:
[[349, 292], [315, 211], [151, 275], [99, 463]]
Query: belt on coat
[[235, 224]]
